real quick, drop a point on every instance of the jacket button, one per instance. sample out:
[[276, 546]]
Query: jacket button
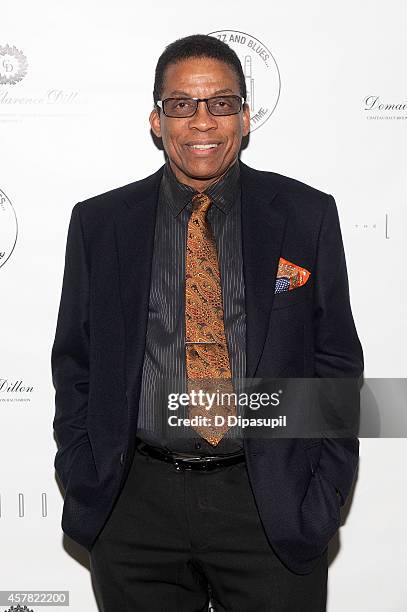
[[122, 458]]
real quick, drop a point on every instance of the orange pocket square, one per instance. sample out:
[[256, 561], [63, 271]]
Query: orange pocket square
[[290, 276]]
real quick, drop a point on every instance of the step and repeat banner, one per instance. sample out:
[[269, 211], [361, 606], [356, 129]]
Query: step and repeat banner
[[328, 101]]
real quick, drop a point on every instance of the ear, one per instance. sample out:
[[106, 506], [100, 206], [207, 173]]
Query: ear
[[155, 122], [246, 119]]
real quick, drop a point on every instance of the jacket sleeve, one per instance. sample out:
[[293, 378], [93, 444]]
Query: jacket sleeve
[[338, 352], [70, 351]]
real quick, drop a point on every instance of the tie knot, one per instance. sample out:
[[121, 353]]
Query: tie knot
[[201, 202]]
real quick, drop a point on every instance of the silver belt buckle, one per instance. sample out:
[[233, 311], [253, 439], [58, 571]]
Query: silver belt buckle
[[181, 460]]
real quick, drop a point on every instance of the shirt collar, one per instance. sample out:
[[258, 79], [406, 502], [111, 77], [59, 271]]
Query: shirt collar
[[178, 195]]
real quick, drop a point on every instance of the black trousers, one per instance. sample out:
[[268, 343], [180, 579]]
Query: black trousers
[[174, 540]]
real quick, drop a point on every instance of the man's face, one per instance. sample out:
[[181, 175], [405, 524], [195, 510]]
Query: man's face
[[201, 78]]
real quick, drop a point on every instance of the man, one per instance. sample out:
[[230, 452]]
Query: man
[[207, 270]]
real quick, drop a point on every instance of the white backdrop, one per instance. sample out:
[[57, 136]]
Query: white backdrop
[[76, 124]]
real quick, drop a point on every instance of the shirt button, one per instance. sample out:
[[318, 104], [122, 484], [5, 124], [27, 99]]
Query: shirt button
[[197, 445]]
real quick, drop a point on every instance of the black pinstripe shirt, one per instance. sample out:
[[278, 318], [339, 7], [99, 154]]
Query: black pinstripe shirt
[[164, 368]]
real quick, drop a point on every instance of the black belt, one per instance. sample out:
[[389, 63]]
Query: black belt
[[189, 462]]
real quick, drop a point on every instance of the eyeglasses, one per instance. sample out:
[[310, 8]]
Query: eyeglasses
[[187, 107]]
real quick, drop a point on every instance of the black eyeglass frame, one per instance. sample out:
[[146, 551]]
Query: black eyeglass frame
[[160, 104]]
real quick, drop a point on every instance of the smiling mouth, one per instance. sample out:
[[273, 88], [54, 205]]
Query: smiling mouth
[[204, 148]]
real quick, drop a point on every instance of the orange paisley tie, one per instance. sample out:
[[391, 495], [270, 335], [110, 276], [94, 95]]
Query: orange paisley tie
[[207, 357]]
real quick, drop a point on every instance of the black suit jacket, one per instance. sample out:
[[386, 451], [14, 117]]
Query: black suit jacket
[[97, 355]]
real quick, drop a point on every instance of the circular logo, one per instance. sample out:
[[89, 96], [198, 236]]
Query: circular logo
[[261, 74], [8, 228], [13, 65]]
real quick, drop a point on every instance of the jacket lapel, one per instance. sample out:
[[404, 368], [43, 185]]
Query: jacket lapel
[[135, 243], [263, 226]]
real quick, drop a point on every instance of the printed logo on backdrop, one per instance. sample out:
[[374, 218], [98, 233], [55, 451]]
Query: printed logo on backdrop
[[377, 108], [261, 73], [8, 228], [13, 65], [15, 391], [17, 102], [379, 227]]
